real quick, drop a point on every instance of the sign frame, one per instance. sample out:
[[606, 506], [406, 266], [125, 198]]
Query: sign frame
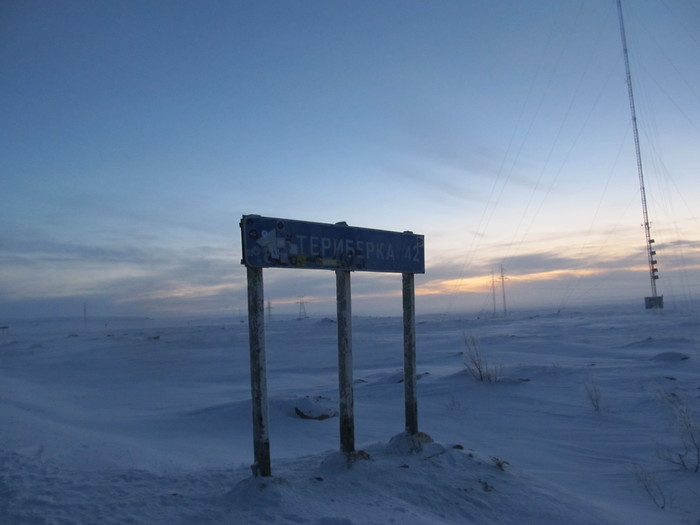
[[343, 249]]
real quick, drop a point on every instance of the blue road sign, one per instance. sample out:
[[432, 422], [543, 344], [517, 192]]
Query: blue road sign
[[282, 243]]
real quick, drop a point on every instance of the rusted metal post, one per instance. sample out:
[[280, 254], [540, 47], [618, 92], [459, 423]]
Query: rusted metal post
[[258, 373], [409, 353], [346, 397]]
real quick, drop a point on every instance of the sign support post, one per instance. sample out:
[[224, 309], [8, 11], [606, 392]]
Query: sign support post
[[258, 373], [345, 389], [409, 353], [270, 242]]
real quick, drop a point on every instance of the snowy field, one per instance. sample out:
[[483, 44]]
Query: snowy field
[[148, 421]]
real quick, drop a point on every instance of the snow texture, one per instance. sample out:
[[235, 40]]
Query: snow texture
[[144, 421]]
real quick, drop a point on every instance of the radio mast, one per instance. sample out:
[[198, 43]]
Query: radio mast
[[655, 301]]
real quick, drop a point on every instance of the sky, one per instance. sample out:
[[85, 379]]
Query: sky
[[135, 135]]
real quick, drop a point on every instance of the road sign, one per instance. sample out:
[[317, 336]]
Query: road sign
[[282, 243]]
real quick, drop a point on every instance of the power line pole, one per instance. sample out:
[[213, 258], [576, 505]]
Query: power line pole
[[302, 309], [503, 290], [493, 291]]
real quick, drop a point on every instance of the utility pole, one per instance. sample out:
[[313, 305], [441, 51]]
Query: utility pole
[[493, 291], [503, 290], [302, 309]]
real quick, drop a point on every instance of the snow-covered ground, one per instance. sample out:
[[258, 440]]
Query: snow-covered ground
[[145, 421]]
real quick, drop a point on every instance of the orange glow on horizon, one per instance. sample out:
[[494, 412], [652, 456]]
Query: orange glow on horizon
[[483, 283]]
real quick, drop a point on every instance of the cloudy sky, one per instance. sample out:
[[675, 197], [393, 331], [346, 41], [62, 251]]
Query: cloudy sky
[[135, 134]]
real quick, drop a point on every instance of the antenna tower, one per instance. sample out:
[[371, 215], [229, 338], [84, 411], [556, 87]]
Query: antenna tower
[[655, 301]]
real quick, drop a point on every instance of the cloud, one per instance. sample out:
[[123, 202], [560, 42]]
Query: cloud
[[548, 277], [537, 262], [126, 273], [149, 274]]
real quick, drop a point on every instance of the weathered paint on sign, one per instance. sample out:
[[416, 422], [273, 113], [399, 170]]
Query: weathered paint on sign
[[283, 243]]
